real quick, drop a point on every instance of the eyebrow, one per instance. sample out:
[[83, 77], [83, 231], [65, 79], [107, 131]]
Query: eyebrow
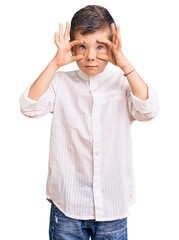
[[85, 42], [80, 39]]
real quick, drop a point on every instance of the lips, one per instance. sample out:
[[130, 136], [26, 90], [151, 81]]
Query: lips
[[90, 66]]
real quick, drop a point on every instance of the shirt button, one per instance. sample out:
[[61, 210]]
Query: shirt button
[[112, 95], [97, 153]]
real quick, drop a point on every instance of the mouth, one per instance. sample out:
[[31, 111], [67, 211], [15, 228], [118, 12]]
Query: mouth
[[89, 66]]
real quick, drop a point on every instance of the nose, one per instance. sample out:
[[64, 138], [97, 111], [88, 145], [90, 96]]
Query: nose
[[90, 55]]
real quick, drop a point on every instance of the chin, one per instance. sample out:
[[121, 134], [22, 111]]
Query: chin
[[92, 72]]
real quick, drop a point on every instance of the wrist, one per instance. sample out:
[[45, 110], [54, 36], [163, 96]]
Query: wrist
[[124, 64], [127, 68], [54, 64]]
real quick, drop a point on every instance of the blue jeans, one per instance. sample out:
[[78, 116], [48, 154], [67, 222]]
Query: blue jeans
[[65, 228]]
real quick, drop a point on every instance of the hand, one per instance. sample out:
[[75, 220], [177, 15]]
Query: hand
[[63, 55], [115, 55]]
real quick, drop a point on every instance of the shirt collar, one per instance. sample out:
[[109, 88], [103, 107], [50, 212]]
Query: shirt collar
[[99, 76]]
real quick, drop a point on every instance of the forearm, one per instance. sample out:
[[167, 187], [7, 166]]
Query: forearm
[[138, 86], [41, 84]]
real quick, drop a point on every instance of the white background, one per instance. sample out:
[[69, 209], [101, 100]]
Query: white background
[[150, 38]]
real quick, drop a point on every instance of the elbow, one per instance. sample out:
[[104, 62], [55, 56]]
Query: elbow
[[29, 114], [150, 116], [154, 113], [147, 116]]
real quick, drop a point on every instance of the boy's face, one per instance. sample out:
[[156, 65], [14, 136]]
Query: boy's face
[[90, 49]]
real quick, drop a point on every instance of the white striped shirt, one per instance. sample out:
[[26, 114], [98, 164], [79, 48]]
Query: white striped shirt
[[90, 173]]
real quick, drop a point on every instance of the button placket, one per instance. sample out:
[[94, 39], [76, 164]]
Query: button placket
[[96, 131]]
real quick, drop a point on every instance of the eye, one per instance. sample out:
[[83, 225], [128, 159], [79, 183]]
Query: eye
[[99, 47], [82, 47]]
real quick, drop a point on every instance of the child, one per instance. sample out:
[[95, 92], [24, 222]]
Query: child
[[90, 180]]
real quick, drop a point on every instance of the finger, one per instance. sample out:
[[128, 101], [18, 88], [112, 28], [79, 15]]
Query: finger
[[113, 32], [119, 37], [60, 32], [103, 57], [66, 34], [118, 32], [56, 39], [75, 42], [106, 41], [76, 58]]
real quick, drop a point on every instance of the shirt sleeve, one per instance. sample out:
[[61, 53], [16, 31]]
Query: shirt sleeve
[[143, 110], [38, 108]]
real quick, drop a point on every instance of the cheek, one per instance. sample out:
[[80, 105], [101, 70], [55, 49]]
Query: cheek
[[102, 63], [81, 53], [106, 51]]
